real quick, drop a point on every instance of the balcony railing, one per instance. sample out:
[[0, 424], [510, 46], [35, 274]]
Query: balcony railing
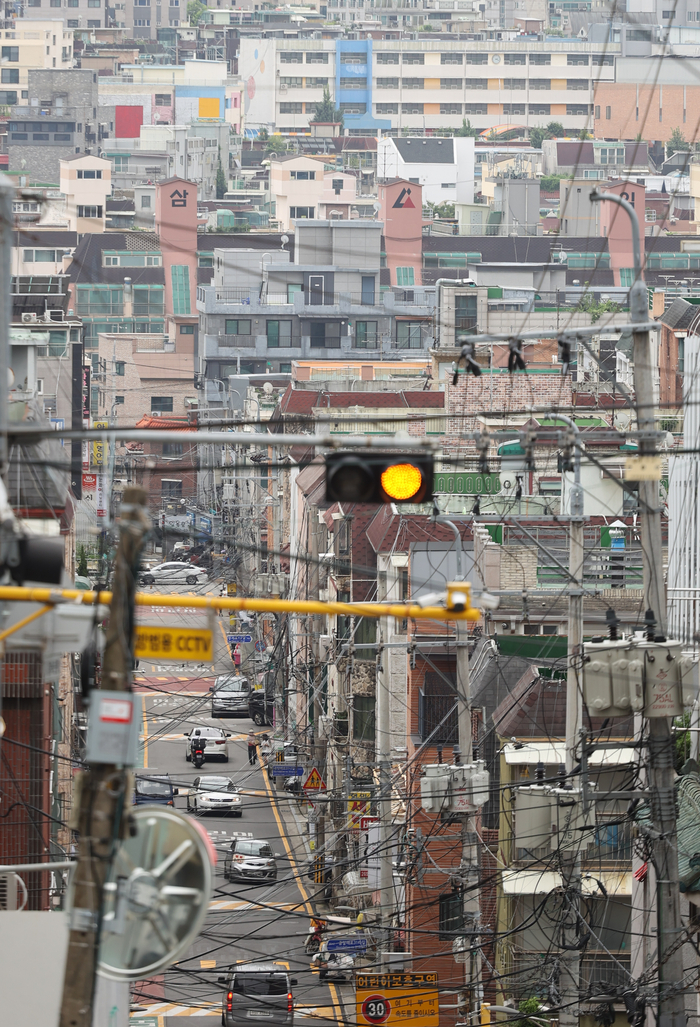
[[532, 973], [607, 568]]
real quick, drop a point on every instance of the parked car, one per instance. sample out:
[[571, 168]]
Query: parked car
[[250, 860], [213, 794], [157, 788], [261, 705], [215, 743], [229, 696], [174, 573], [258, 991]]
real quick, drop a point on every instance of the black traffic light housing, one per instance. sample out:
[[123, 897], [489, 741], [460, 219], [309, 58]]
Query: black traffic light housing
[[357, 478]]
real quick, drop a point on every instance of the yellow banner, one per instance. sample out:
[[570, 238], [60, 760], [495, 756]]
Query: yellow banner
[[195, 644]]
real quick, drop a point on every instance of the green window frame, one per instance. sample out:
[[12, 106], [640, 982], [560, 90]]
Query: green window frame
[[149, 299], [119, 368], [405, 276], [180, 280], [366, 334], [100, 299], [627, 277], [236, 326]]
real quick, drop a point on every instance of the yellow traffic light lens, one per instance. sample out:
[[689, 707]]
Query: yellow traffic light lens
[[402, 481]]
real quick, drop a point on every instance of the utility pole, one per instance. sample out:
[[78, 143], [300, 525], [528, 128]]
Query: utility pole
[[103, 799], [669, 956], [383, 758]]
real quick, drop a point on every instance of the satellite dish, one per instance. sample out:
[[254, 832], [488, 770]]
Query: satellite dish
[[267, 388], [157, 894]]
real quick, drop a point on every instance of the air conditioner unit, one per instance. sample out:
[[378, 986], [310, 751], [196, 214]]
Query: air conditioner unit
[[28, 319], [8, 892]]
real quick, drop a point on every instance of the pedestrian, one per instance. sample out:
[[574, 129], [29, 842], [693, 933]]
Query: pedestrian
[[252, 748], [265, 750]]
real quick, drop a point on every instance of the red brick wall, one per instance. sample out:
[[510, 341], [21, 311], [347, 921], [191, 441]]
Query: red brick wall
[[652, 110], [670, 381]]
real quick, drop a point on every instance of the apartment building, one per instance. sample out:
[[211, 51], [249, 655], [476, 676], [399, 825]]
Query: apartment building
[[657, 90], [76, 14], [86, 182], [443, 167], [43, 44], [302, 188], [413, 85]]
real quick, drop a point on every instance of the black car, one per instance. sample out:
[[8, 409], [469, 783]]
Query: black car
[[157, 788], [261, 706]]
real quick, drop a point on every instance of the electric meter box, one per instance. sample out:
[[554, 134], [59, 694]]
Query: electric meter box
[[470, 787], [113, 728], [435, 787], [613, 678]]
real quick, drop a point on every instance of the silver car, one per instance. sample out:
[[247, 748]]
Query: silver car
[[174, 573], [212, 794], [258, 991], [250, 860]]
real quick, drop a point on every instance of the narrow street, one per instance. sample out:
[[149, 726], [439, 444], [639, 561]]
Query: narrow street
[[246, 922]]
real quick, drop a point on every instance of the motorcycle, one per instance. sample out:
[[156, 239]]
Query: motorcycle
[[197, 756], [312, 944]]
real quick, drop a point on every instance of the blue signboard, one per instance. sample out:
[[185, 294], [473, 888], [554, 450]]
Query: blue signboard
[[285, 770], [346, 944], [237, 639]]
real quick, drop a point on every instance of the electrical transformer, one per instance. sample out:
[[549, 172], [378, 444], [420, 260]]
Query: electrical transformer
[[454, 788], [621, 677]]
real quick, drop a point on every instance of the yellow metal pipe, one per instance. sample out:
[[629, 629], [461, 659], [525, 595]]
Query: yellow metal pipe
[[23, 623], [9, 593]]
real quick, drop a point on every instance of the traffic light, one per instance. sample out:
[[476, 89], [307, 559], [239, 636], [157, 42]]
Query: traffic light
[[378, 478]]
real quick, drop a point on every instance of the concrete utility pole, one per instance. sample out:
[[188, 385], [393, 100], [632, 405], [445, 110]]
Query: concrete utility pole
[[103, 798], [671, 1005], [383, 757]]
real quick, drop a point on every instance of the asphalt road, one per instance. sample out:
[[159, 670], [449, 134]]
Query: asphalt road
[[246, 922]]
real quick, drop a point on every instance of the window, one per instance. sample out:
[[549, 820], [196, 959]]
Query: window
[[513, 83], [363, 707], [164, 100], [234, 326], [100, 299], [387, 83], [180, 278], [149, 300], [601, 60], [292, 83], [94, 3], [303, 176], [161, 404], [316, 83], [305, 213], [291, 108], [353, 108], [322, 334], [608, 113], [465, 314], [667, 15], [293, 288], [540, 83], [476, 58], [413, 83], [387, 58], [405, 276], [450, 58], [10, 53], [411, 108], [291, 57], [540, 58], [476, 83], [171, 488], [119, 368], [413, 58], [121, 162], [145, 202], [42, 256], [409, 334], [186, 329], [597, 112], [366, 334], [279, 334], [514, 58], [475, 108], [577, 83], [203, 261], [314, 57], [638, 35], [450, 108], [387, 108], [514, 108], [89, 173], [577, 59], [90, 212], [95, 24], [368, 287], [353, 57], [450, 83], [451, 915], [10, 76], [172, 449], [539, 108]]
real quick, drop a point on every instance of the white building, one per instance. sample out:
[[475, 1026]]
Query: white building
[[444, 167]]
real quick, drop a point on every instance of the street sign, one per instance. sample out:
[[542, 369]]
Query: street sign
[[237, 639], [358, 806], [358, 944], [231, 588], [314, 782], [260, 647], [174, 643], [394, 998], [284, 770]]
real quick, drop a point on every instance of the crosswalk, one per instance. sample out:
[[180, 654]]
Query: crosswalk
[[162, 1009]]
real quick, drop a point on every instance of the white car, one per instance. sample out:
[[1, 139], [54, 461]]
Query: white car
[[212, 794], [174, 573], [215, 743]]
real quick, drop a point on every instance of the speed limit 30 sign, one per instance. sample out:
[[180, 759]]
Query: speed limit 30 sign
[[394, 998], [376, 1009]]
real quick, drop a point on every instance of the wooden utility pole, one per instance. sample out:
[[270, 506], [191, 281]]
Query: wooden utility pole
[[101, 792]]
